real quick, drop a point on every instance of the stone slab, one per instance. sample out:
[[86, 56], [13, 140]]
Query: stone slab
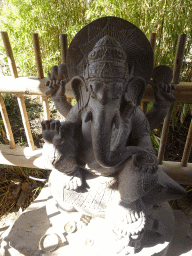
[[22, 238]]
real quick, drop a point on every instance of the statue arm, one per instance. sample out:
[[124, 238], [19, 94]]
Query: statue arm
[[157, 114], [140, 135], [58, 79]]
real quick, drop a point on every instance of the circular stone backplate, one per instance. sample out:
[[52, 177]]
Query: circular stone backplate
[[134, 42]]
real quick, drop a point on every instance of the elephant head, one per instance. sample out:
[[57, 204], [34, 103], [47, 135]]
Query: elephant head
[[109, 94]]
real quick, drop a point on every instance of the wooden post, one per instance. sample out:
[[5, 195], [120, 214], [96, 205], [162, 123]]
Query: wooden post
[[179, 58], [6, 122], [14, 73], [63, 40], [25, 120], [9, 52], [40, 73], [152, 40], [46, 107], [187, 148], [38, 55], [176, 74]]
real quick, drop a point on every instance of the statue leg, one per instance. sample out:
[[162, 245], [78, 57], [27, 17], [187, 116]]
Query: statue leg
[[127, 214]]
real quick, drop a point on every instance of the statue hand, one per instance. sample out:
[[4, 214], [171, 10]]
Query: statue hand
[[163, 93], [145, 162], [58, 79], [50, 128]]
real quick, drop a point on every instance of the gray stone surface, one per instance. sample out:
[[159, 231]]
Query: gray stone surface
[[23, 237]]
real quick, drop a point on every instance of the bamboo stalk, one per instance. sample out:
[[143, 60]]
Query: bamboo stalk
[[25, 120], [9, 53], [6, 122], [46, 108], [63, 40], [152, 40], [187, 148], [176, 74], [38, 55], [164, 136], [179, 58], [40, 73]]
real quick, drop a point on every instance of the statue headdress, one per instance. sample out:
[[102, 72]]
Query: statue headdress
[[107, 60]]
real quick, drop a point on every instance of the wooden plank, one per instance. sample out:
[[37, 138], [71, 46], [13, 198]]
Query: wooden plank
[[24, 156], [175, 170], [28, 85], [9, 53], [6, 123], [187, 149], [46, 108], [25, 120], [64, 46]]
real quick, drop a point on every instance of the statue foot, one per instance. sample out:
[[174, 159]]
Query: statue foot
[[127, 222], [74, 180]]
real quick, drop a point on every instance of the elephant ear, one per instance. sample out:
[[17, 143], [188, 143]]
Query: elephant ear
[[135, 90], [80, 92]]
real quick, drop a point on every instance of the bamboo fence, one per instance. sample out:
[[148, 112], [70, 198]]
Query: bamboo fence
[[31, 157]]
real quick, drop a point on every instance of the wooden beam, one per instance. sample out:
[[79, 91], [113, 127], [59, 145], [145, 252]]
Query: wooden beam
[[28, 85], [9, 53], [6, 123], [24, 156], [64, 46], [25, 120], [187, 149], [46, 107]]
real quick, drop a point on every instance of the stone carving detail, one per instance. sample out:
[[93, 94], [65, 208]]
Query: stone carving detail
[[102, 157]]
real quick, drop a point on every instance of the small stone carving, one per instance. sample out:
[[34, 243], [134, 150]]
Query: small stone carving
[[102, 157]]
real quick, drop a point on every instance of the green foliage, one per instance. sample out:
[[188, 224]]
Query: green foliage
[[166, 18], [48, 18]]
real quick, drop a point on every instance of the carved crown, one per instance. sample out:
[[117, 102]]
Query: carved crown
[[107, 60]]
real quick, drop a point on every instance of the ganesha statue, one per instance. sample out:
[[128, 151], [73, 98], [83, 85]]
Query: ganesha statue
[[102, 158]]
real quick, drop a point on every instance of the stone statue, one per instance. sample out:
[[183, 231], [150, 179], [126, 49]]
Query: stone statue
[[103, 162]]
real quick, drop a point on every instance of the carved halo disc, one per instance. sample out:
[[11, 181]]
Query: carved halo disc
[[132, 39]]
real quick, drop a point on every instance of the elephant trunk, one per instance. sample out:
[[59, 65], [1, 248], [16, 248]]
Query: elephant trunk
[[102, 123]]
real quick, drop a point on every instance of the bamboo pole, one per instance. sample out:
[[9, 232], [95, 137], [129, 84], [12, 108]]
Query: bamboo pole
[[6, 122], [187, 148], [9, 53], [25, 120], [64, 45], [179, 58], [152, 40], [40, 73], [46, 108], [176, 75], [38, 55], [14, 73]]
